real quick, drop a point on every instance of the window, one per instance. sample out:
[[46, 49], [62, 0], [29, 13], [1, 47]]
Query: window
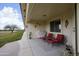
[[55, 26]]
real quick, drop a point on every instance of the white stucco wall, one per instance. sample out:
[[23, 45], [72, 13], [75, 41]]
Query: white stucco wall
[[69, 31], [37, 30]]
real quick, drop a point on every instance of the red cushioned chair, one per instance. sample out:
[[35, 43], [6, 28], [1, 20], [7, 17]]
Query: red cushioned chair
[[49, 36], [58, 39]]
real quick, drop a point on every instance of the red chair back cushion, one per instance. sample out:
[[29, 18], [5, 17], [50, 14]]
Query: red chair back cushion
[[60, 37], [49, 35]]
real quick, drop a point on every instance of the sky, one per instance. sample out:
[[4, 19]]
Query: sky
[[10, 14]]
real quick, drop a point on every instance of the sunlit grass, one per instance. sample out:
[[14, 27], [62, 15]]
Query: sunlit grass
[[7, 37]]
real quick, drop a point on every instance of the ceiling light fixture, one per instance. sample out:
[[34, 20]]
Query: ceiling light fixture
[[44, 15]]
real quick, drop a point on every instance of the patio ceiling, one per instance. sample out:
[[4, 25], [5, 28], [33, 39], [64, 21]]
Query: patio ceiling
[[23, 11], [45, 11]]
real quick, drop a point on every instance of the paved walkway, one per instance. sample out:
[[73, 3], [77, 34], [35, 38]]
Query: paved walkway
[[33, 47], [10, 49]]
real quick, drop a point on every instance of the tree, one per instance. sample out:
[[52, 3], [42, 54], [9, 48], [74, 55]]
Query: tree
[[7, 27], [11, 27]]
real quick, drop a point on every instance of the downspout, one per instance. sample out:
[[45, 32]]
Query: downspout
[[76, 45]]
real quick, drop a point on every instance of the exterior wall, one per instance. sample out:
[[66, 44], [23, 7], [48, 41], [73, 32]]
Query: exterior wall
[[36, 29], [69, 32]]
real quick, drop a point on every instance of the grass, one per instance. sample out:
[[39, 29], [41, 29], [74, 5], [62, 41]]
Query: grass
[[7, 36]]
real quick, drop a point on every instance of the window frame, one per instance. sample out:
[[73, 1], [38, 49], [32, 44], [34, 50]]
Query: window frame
[[53, 29]]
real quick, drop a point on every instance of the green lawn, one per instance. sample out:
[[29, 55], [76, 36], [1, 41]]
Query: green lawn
[[7, 36]]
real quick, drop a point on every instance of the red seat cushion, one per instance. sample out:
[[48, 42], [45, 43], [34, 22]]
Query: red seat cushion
[[58, 39]]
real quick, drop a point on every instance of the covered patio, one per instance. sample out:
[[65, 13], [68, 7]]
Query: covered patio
[[39, 17]]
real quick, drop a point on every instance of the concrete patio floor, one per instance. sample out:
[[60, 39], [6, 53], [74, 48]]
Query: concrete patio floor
[[33, 47]]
